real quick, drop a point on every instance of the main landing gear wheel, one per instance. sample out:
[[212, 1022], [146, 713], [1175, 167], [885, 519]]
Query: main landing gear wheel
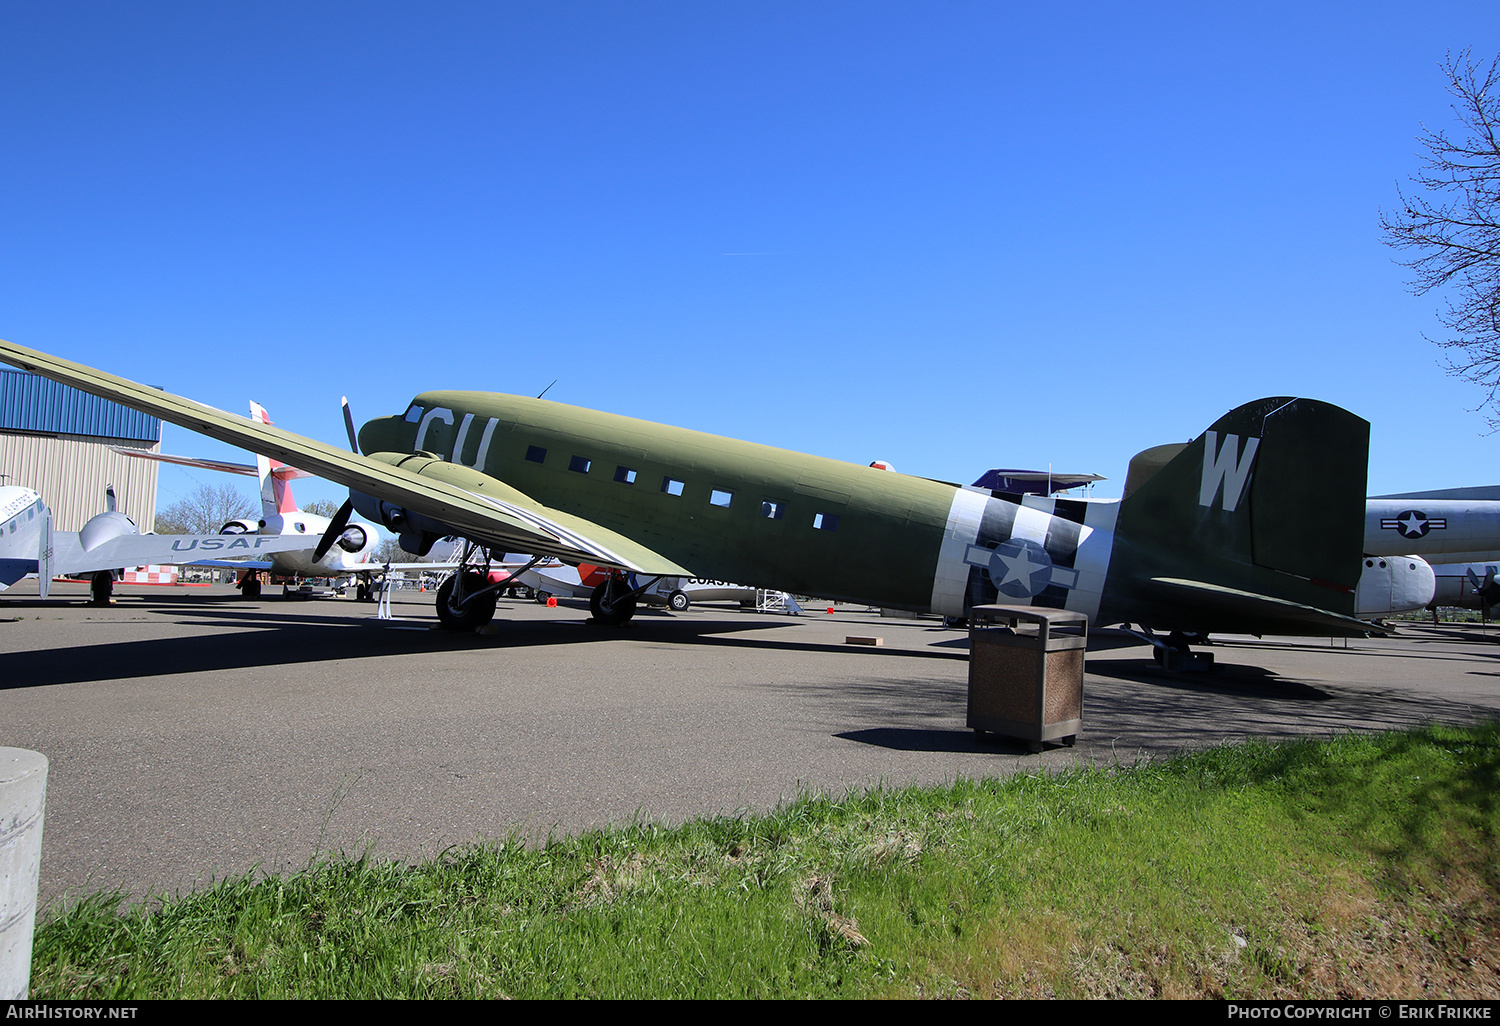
[[612, 602], [476, 612], [1177, 641], [677, 602], [251, 588], [101, 587]]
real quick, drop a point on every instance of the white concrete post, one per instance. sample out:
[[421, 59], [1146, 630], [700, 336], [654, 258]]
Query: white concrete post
[[23, 796]]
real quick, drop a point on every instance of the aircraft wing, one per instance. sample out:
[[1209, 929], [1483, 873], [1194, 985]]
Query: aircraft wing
[[247, 469], [70, 557], [512, 521]]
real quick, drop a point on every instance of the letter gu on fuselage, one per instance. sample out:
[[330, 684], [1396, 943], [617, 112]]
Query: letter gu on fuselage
[[770, 517]]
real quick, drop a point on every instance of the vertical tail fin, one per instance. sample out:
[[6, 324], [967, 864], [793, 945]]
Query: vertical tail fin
[[275, 489], [1266, 505]]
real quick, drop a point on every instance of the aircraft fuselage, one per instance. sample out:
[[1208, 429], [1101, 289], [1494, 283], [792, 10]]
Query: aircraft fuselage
[[769, 517]]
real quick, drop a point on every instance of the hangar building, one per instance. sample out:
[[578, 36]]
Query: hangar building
[[57, 440]]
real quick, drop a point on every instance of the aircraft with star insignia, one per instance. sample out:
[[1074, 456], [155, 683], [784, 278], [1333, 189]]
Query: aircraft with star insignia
[[1459, 530], [1254, 527]]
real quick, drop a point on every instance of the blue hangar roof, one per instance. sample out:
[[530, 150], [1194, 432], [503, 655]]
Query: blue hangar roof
[[31, 403]]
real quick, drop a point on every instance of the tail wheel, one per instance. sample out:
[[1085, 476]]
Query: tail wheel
[[678, 602], [612, 602], [475, 613]]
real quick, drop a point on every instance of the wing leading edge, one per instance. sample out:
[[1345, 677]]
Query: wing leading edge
[[515, 522]]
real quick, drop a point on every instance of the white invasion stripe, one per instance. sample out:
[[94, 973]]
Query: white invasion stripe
[[1095, 542], [583, 545], [1031, 525], [951, 581]]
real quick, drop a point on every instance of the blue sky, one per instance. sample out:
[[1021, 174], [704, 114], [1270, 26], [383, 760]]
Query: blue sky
[[953, 235]]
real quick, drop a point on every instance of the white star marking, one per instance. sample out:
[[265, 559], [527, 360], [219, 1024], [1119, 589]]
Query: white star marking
[[1412, 523], [1019, 567]]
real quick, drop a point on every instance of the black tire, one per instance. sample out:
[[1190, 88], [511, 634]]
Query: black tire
[[361, 592], [542, 597], [678, 602], [475, 613], [620, 610], [101, 587], [251, 588]]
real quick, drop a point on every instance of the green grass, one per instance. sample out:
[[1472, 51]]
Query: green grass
[[1364, 866]]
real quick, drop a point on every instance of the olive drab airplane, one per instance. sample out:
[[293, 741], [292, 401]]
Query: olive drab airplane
[[1255, 527]]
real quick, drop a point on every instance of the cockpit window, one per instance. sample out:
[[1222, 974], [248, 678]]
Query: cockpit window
[[413, 414]]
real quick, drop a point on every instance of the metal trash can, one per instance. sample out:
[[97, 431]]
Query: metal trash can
[[1026, 672]]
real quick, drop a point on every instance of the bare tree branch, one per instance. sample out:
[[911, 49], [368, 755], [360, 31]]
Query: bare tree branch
[[1452, 225], [205, 511]]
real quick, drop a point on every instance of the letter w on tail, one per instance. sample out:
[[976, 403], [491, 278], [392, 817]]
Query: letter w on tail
[[1225, 466]]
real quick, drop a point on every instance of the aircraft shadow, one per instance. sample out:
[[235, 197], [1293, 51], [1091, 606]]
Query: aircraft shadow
[[1239, 678], [254, 636]]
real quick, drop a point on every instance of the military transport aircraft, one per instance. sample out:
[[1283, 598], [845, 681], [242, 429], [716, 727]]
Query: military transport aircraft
[[1255, 527], [108, 542], [1459, 530]]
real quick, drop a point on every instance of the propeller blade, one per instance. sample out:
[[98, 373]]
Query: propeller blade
[[349, 427], [335, 528]]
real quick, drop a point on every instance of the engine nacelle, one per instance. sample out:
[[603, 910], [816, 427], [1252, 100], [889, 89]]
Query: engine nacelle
[[1394, 584], [104, 527], [354, 540], [418, 532]]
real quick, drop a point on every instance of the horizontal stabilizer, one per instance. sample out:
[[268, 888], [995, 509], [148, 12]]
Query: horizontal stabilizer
[[1244, 612]]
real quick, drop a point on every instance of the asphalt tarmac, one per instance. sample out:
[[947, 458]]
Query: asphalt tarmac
[[194, 735]]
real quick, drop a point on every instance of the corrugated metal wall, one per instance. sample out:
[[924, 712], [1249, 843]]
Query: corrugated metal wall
[[30, 403], [56, 439], [72, 472]]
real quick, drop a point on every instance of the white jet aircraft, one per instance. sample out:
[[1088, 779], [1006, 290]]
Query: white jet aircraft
[[350, 554], [108, 542]]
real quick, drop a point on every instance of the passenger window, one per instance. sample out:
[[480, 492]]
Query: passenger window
[[719, 497], [671, 486], [624, 475], [580, 464], [825, 521], [535, 453], [772, 510]]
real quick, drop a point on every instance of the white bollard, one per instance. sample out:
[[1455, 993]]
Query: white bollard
[[23, 797]]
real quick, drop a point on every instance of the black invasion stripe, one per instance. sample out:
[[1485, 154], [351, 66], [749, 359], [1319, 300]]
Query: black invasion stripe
[[1062, 541], [1071, 509]]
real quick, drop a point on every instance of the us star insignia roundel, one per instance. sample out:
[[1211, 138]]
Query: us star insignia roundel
[[1020, 568], [1413, 523]]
